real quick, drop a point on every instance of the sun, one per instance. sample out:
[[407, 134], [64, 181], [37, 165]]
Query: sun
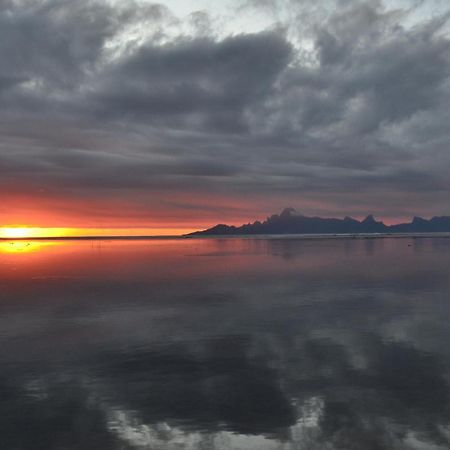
[[15, 232], [31, 232]]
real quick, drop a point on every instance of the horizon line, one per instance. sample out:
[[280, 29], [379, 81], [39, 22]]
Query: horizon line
[[93, 237], [367, 235], [29, 233]]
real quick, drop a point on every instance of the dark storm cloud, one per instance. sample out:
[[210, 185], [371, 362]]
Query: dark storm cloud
[[94, 95], [197, 83]]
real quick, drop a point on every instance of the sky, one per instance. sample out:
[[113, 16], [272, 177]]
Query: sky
[[178, 115]]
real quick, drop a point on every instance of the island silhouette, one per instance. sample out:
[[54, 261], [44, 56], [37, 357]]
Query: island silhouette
[[290, 222]]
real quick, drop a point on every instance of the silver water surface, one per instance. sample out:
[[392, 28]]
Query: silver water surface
[[225, 344]]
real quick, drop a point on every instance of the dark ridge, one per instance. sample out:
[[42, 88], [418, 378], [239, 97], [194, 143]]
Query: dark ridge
[[289, 222]]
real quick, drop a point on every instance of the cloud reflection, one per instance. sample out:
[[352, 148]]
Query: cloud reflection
[[335, 347]]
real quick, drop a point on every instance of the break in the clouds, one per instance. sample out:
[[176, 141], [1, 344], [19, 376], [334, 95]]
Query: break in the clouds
[[188, 113]]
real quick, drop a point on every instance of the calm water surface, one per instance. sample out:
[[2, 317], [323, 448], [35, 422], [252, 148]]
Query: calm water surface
[[225, 344]]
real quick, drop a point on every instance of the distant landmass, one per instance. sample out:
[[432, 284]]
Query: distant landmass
[[289, 222]]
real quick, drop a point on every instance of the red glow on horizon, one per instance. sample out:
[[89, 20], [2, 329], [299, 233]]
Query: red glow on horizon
[[40, 214], [34, 213]]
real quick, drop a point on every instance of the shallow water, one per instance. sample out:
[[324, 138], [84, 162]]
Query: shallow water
[[225, 344]]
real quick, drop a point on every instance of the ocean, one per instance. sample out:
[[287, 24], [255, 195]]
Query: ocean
[[246, 344]]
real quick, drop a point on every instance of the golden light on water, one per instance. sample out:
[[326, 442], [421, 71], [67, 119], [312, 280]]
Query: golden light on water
[[19, 239], [25, 232], [23, 246]]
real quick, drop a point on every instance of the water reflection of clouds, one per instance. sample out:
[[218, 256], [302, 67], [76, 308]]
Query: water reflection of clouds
[[318, 356]]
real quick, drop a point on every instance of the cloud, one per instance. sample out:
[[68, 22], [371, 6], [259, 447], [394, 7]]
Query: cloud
[[350, 96], [194, 83]]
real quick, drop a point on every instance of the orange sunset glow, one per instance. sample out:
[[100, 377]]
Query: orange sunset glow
[[24, 232], [51, 215]]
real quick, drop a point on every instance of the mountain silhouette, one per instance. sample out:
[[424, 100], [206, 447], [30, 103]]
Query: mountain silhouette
[[289, 222]]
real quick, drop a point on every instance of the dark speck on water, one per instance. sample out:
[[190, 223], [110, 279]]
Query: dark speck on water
[[247, 344]]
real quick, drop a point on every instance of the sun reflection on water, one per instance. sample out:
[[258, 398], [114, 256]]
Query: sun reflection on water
[[23, 246]]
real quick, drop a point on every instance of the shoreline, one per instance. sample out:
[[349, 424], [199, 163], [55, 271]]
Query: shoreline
[[308, 236]]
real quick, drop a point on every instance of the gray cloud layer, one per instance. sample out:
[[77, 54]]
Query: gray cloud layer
[[350, 116]]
